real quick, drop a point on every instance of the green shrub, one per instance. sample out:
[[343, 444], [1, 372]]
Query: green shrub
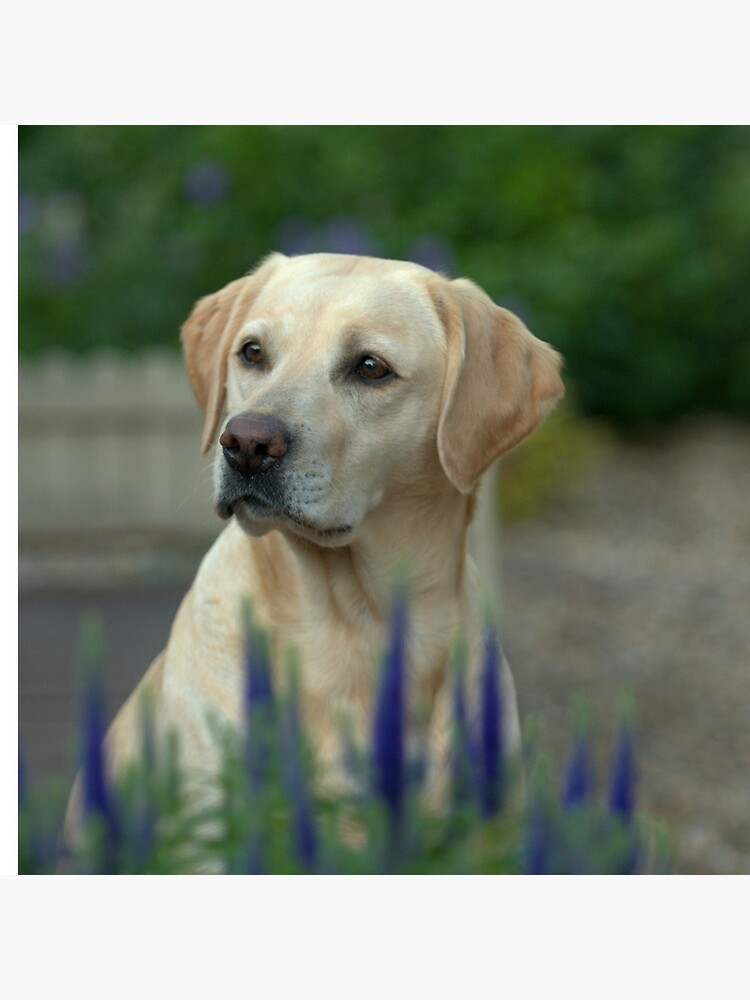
[[624, 246], [549, 465]]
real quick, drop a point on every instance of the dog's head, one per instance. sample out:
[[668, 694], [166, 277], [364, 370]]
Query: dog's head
[[348, 379]]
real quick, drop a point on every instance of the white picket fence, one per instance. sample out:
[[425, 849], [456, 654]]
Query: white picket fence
[[108, 444], [109, 447]]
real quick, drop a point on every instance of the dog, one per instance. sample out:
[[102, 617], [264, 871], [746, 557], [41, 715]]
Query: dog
[[354, 404]]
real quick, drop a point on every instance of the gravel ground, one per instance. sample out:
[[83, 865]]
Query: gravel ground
[[640, 581]]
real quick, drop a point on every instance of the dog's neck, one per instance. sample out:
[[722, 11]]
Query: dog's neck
[[422, 543]]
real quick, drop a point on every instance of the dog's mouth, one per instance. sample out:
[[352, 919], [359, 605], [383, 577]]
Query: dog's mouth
[[259, 508], [226, 506]]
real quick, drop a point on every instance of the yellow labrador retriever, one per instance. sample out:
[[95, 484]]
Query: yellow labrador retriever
[[364, 398]]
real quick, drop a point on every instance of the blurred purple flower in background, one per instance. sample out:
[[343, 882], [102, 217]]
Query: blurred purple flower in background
[[347, 234], [27, 213], [292, 234], [432, 251], [205, 182], [340, 234], [344, 234], [63, 264], [59, 221]]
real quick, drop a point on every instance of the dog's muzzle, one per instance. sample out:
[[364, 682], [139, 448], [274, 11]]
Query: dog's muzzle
[[258, 486]]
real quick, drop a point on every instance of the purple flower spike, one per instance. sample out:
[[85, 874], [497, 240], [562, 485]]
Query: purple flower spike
[[304, 834], [98, 800], [622, 775], [388, 735], [491, 730], [258, 688], [259, 705], [95, 796]]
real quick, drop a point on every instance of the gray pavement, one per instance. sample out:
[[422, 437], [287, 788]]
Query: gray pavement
[[136, 623]]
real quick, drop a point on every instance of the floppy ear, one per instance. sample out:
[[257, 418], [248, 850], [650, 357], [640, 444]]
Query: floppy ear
[[501, 381], [207, 335]]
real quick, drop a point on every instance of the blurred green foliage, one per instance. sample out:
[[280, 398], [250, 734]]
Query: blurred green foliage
[[548, 466], [626, 247]]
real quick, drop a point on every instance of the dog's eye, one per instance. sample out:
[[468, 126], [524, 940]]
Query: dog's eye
[[371, 368], [251, 353]]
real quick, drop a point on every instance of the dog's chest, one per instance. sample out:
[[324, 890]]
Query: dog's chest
[[335, 642]]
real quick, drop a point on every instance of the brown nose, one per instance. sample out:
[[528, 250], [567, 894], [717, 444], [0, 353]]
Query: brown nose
[[252, 444]]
